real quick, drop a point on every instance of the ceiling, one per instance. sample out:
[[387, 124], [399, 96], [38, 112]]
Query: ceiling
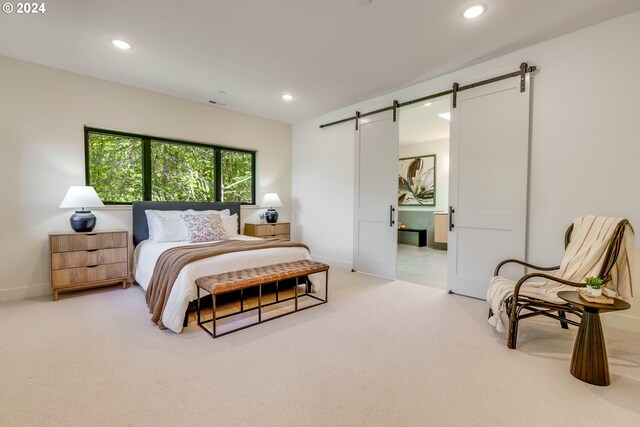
[[327, 53], [421, 122]]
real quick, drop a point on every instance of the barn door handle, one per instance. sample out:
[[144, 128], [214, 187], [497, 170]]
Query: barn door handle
[[391, 211], [451, 212]]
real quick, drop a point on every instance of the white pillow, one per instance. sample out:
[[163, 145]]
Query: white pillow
[[167, 226], [230, 224]]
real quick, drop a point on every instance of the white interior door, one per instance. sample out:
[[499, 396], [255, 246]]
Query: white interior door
[[488, 183], [375, 241]]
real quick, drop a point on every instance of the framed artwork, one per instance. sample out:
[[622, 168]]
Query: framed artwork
[[417, 181]]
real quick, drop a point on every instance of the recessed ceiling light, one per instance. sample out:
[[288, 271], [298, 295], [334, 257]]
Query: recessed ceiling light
[[446, 116], [474, 11], [121, 44], [287, 97], [428, 104]]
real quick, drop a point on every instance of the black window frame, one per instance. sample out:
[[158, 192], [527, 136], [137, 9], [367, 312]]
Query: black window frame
[[146, 162]]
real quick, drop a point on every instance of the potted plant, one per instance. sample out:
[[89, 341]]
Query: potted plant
[[594, 285], [262, 217]]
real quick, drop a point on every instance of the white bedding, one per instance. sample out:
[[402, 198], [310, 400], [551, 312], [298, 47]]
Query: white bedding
[[184, 289]]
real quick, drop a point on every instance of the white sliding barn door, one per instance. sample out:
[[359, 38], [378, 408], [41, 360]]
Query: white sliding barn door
[[489, 150], [375, 234]]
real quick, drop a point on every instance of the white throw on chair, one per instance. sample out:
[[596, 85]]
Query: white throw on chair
[[594, 246]]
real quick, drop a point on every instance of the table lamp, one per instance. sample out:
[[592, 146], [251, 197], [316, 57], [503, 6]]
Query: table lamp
[[82, 197], [271, 200]]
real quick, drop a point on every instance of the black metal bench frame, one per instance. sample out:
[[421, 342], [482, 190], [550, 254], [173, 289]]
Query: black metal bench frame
[[213, 332]]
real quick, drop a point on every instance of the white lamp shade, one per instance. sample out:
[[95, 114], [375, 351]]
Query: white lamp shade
[[271, 200], [80, 196]]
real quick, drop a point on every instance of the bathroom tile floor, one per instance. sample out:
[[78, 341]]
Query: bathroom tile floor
[[424, 266]]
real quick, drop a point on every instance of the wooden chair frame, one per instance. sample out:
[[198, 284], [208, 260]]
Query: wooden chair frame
[[516, 303]]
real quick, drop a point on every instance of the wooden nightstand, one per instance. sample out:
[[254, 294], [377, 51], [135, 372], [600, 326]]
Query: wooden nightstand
[[279, 229], [87, 260]]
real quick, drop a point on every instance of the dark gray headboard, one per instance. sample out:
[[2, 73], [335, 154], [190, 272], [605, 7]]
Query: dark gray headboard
[[141, 229]]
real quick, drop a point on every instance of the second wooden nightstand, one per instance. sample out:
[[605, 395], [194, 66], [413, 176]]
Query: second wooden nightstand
[[279, 229]]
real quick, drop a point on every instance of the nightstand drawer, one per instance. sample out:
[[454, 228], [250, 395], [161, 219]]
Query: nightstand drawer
[[75, 276], [88, 241], [266, 230], [61, 260]]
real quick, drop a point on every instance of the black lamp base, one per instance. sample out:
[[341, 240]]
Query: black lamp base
[[82, 221], [271, 216]]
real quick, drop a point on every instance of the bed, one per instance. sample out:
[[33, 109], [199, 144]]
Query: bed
[[184, 291]]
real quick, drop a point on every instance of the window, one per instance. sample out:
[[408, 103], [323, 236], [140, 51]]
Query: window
[[237, 176], [182, 172], [109, 153], [124, 168]]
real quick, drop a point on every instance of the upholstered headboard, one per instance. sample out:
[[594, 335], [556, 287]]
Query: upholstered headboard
[[141, 228]]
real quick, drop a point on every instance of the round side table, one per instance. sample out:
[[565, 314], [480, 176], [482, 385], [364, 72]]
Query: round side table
[[589, 360]]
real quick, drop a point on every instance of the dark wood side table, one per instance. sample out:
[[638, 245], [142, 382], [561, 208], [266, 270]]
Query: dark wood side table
[[422, 235], [589, 360]]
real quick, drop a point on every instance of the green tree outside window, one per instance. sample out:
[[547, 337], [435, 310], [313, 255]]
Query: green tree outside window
[[115, 167], [237, 176], [182, 172]]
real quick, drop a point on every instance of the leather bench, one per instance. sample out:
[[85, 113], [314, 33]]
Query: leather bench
[[239, 280]]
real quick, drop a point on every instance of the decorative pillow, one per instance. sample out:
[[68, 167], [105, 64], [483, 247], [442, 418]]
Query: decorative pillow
[[167, 226], [230, 224], [204, 228]]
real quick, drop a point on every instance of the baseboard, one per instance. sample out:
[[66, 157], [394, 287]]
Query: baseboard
[[337, 263], [14, 294], [628, 322]]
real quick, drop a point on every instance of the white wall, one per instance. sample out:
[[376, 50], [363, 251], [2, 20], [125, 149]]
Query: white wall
[[584, 145], [42, 114], [440, 148]]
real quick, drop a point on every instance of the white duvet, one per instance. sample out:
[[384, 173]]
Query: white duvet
[[184, 289]]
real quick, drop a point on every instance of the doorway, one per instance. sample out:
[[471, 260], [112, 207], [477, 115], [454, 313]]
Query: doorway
[[423, 192], [487, 168]]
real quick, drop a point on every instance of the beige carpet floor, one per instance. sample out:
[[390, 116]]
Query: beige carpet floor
[[380, 353]]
